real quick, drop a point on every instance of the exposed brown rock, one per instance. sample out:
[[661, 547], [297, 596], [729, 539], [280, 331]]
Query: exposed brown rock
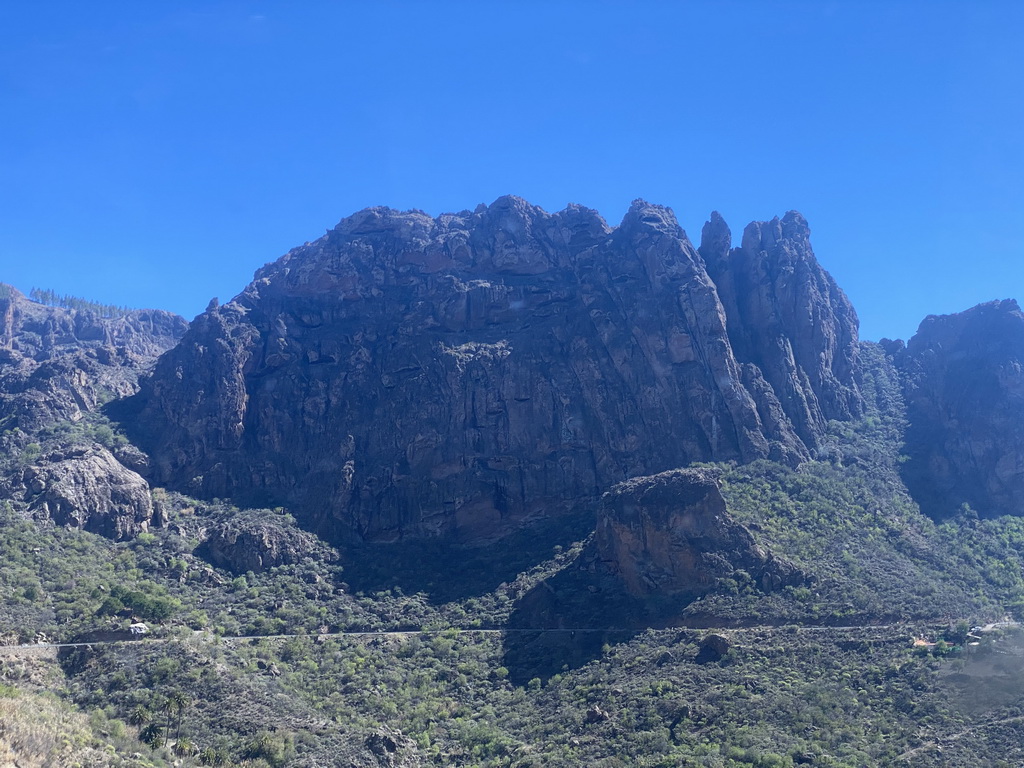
[[671, 534], [251, 543], [964, 389]]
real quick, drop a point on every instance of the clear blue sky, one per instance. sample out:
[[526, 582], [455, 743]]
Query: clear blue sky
[[156, 154]]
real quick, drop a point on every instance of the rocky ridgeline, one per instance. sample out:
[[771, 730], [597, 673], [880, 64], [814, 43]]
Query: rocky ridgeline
[[458, 376], [407, 376], [56, 366], [788, 320], [964, 388]]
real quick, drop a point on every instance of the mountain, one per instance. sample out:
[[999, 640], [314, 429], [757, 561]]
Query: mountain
[[787, 318], [406, 376], [513, 488], [57, 364], [964, 381]]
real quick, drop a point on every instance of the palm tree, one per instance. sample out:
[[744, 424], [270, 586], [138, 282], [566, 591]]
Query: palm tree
[[151, 735], [177, 702], [140, 715]]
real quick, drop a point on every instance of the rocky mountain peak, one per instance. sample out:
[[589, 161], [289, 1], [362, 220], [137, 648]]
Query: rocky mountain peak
[[404, 375], [795, 227], [381, 219], [764, 236], [964, 388], [715, 239], [990, 324], [788, 318], [660, 218]]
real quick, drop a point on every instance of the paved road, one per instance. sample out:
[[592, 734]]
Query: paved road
[[901, 626]]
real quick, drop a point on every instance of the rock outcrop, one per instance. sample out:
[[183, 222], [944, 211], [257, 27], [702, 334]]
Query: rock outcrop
[[964, 389], [58, 364], [84, 487], [248, 542], [405, 375], [671, 534], [789, 319]]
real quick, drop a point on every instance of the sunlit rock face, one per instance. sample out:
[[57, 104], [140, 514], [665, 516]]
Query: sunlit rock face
[[456, 376], [84, 487], [964, 389], [671, 534], [59, 364]]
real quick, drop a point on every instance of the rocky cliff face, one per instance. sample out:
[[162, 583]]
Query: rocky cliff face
[[788, 318], [405, 375], [84, 487], [58, 364], [671, 534], [964, 389]]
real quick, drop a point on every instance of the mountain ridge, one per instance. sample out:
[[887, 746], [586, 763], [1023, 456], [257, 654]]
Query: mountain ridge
[[529, 340], [754, 610]]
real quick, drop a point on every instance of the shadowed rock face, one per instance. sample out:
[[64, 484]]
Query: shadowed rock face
[[964, 389], [787, 317], [671, 534], [405, 375]]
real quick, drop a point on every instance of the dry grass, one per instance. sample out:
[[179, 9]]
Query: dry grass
[[41, 731]]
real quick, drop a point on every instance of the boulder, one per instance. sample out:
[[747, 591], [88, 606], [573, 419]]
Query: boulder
[[252, 543]]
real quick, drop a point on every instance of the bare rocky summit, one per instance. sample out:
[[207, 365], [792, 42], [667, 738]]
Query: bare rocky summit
[[407, 376], [788, 319]]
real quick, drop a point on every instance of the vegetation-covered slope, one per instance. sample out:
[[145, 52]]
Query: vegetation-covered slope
[[822, 674]]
